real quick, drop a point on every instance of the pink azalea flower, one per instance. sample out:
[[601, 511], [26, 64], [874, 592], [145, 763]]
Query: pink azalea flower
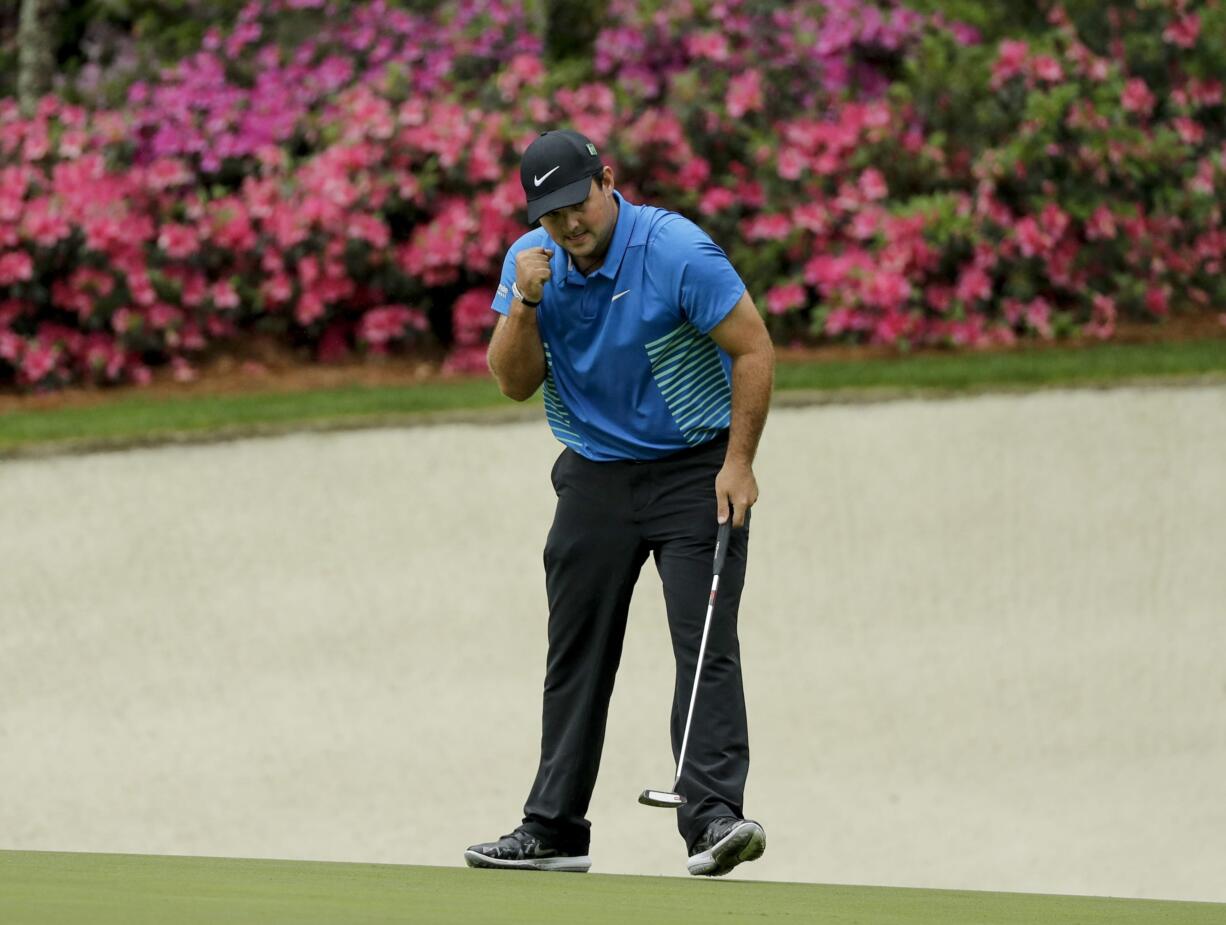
[[178, 241], [1038, 316], [309, 310], [1030, 238], [11, 346], [102, 356], [15, 267], [308, 271], [1205, 92], [162, 316], [43, 224], [471, 317], [528, 68], [1048, 69], [1055, 221], [1013, 310], [1137, 97], [890, 328], [1102, 322], [125, 319], [970, 333], [1157, 300], [792, 163], [38, 144], [866, 224], [872, 185], [224, 296], [974, 285], [828, 272], [840, 320], [168, 172], [744, 94], [38, 362], [887, 290], [1101, 225], [11, 310], [1203, 181], [710, 44], [812, 216], [277, 290], [782, 299], [1010, 61], [965, 34], [141, 288], [751, 194], [939, 297], [380, 326], [1184, 31], [694, 173], [1191, 131], [369, 228], [768, 227]]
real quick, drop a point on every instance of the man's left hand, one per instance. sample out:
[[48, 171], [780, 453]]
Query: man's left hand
[[736, 489]]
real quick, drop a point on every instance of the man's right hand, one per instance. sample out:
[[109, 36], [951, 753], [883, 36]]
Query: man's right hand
[[531, 271]]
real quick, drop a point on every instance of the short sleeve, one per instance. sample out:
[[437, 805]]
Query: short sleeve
[[537, 237], [502, 298], [694, 271]]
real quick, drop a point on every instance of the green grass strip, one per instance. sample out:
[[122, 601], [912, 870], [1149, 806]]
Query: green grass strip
[[130, 419], [56, 889], [1102, 364]]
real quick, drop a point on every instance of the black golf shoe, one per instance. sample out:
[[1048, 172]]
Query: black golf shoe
[[524, 851], [726, 843]]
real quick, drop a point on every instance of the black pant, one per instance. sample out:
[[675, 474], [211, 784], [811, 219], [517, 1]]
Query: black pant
[[609, 516]]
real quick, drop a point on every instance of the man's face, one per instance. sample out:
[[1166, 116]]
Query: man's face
[[585, 229]]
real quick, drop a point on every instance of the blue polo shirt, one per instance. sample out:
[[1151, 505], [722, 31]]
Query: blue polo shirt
[[632, 372]]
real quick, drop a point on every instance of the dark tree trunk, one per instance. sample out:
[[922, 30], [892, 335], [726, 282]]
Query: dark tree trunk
[[35, 59], [570, 29]]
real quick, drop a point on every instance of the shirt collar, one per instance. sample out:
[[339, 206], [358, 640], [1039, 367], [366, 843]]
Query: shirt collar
[[621, 237], [617, 246]]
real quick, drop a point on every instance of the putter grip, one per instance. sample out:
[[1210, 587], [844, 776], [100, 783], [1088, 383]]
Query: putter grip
[[721, 544]]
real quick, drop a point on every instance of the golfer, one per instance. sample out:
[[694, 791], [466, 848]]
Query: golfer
[[657, 372]]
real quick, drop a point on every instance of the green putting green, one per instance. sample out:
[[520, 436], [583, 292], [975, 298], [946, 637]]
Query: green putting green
[[38, 888]]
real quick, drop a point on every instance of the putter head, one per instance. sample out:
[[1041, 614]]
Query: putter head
[[664, 798]]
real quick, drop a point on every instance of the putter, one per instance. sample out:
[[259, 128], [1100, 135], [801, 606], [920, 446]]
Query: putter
[[670, 799]]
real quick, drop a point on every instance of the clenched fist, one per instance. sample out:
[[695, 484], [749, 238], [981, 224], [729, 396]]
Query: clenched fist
[[531, 271]]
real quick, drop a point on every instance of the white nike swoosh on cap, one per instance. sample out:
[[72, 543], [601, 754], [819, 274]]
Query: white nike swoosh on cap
[[619, 295], [539, 180]]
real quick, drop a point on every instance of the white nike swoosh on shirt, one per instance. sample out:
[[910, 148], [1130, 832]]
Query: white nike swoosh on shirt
[[619, 295], [539, 180]]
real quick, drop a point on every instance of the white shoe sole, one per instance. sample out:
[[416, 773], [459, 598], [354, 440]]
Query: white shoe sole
[[580, 864], [746, 842]]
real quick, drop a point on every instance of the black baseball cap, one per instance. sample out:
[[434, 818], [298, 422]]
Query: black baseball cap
[[557, 171]]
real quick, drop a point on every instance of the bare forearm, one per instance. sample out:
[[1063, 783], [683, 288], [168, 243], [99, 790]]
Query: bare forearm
[[516, 356], [753, 377]]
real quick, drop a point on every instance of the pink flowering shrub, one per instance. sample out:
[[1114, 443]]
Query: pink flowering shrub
[[1088, 186], [145, 238], [242, 92], [1034, 188], [875, 173]]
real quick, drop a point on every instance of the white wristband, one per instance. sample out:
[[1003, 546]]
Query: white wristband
[[515, 291]]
